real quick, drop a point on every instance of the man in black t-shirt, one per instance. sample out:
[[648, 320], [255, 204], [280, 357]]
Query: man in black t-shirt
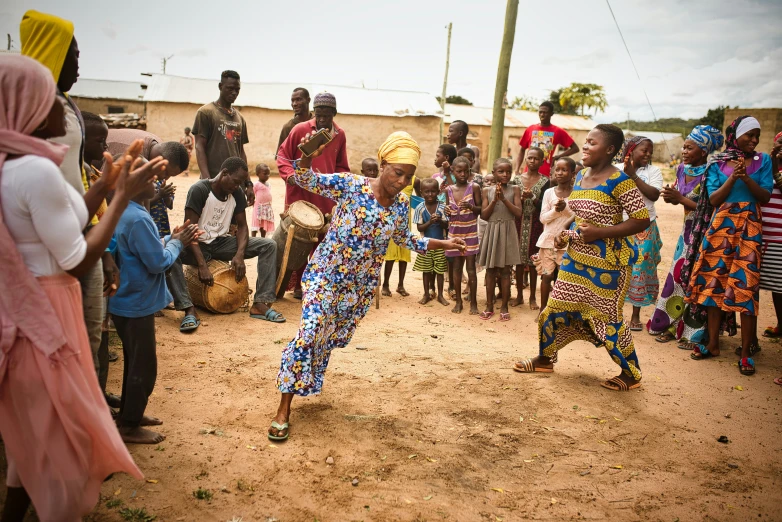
[[214, 204]]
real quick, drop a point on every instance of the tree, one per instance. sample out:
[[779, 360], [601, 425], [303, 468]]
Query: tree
[[715, 117], [524, 103], [583, 95], [554, 97], [456, 100]]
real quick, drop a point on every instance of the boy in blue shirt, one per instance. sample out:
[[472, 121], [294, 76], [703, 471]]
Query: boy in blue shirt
[[143, 260], [431, 221]]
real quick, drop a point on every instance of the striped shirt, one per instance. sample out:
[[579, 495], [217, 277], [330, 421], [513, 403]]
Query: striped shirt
[[772, 214]]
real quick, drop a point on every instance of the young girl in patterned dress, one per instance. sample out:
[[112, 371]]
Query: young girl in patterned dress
[[723, 275], [587, 299], [263, 215], [463, 204], [532, 185]]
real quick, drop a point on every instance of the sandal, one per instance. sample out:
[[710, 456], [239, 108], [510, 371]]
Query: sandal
[[700, 353], [504, 316], [778, 381], [189, 323], [754, 349], [746, 366], [279, 427], [617, 384], [772, 332], [665, 337], [527, 366], [271, 315], [486, 315], [636, 327]]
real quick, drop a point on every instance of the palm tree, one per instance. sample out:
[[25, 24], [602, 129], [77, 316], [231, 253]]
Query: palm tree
[[524, 103], [583, 95]]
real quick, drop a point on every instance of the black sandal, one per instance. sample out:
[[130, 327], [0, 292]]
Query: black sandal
[[754, 349]]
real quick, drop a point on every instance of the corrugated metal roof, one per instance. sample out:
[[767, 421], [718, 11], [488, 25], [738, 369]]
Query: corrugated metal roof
[[513, 118], [111, 89], [350, 100]]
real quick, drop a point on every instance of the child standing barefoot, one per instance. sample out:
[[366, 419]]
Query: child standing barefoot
[[556, 217], [463, 206], [501, 206], [533, 185], [263, 215], [430, 218]]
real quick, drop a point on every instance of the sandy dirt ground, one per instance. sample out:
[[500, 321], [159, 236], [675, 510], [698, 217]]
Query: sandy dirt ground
[[422, 418]]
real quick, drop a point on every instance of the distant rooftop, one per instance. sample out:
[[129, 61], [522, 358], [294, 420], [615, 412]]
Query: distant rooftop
[[108, 89], [513, 118], [655, 136], [350, 100]]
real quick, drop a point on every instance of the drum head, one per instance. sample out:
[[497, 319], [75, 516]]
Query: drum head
[[306, 215]]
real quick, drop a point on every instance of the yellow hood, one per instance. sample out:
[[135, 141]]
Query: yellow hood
[[46, 39]]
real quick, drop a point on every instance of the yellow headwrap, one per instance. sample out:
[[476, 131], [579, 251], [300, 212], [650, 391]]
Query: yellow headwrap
[[399, 148], [46, 39]]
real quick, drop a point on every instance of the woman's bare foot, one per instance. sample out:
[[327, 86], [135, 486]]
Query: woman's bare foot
[[386, 291], [474, 309], [150, 421], [401, 291], [457, 309], [139, 435], [425, 299], [518, 301], [443, 301], [533, 304]]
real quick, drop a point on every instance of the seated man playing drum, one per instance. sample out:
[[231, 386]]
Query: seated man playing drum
[[213, 204]]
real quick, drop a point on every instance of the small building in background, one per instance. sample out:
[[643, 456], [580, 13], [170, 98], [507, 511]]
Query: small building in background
[[667, 145], [770, 124], [516, 121], [109, 96]]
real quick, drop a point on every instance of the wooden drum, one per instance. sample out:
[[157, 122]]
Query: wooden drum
[[225, 296], [297, 234]]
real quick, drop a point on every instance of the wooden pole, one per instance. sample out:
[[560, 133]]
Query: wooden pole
[[285, 255], [445, 83], [501, 87]]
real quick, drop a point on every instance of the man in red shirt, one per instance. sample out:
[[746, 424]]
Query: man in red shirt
[[547, 137], [333, 159]]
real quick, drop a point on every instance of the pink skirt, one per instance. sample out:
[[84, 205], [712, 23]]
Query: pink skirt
[[60, 439]]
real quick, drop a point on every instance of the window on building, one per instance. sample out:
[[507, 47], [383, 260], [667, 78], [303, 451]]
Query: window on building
[[116, 109]]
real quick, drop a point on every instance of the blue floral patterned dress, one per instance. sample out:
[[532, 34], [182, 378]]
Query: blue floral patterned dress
[[340, 280]]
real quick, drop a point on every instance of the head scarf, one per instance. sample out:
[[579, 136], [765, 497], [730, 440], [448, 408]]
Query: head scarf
[[46, 39], [399, 148], [747, 124], [27, 92], [732, 150], [325, 99], [707, 138], [776, 138], [629, 146]]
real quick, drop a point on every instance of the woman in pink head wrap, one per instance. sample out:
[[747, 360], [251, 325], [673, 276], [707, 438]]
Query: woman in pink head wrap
[[59, 436]]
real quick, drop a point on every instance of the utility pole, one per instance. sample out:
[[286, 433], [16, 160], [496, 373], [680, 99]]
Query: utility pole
[[445, 82], [165, 61], [9, 41], [501, 87]]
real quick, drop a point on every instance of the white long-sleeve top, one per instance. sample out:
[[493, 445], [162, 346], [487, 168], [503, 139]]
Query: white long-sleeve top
[[44, 214], [553, 222]]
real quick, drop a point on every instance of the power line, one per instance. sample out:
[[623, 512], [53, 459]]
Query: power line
[[637, 74]]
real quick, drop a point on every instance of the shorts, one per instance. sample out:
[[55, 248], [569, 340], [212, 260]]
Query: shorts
[[433, 261], [547, 261]]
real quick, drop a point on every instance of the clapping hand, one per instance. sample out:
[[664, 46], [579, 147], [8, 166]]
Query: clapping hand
[[740, 169], [561, 240], [455, 244], [589, 233], [560, 205], [671, 195], [499, 194], [629, 166], [526, 194], [186, 233]]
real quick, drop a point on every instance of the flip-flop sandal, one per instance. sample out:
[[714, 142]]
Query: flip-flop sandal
[[527, 366], [279, 427], [754, 349], [664, 337], [700, 353], [778, 381], [636, 327], [772, 332], [486, 315], [189, 323], [685, 345], [271, 315], [504, 317], [747, 366], [617, 384], [403, 293]]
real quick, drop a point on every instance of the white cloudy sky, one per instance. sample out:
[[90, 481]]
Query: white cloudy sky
[[691, 55]]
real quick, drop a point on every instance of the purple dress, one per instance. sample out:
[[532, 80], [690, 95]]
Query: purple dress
[[463, 224]]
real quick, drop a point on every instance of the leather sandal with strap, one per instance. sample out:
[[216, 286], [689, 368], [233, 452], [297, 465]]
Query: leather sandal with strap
[[747, 366], [527, 366], [617, 384]]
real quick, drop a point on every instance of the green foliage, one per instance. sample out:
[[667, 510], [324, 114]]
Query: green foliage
[[456, 100], [115, 502], [524, 103], [715, 117], [136, 515], [203, 494], [555, 97], [677, 125], [583, 96]]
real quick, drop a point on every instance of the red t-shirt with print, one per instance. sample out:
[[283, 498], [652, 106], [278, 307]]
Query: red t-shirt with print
[[546, 138]]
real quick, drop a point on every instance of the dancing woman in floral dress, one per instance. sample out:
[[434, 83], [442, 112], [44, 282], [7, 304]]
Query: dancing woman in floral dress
[[340, 280]]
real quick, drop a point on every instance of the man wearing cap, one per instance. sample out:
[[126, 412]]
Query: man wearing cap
[[333, 159]]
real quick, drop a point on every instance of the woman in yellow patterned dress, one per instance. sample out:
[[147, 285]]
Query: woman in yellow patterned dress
[[587, 298]]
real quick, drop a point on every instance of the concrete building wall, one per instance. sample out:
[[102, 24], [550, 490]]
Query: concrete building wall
[[101, 106], [770, 123], [364, 133]]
